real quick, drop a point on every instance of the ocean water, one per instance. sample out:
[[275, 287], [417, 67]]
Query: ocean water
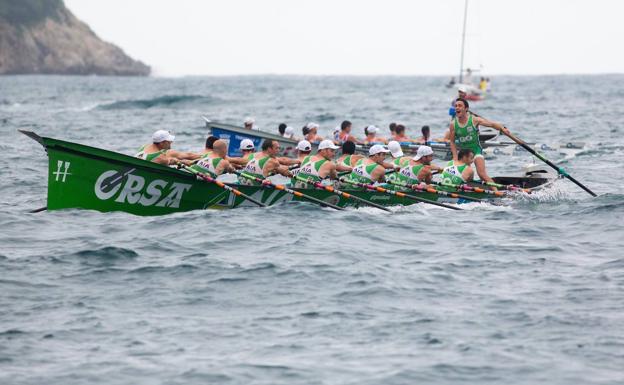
[[527, 292]]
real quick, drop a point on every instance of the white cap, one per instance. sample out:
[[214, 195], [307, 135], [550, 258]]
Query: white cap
[[247, 144], [327, 144], [377, 149], [423, 151], [289, 131], [312, 125], [372, 129], [249, 120], [304, 145], [395, 148], [462, 89], [161, 136]]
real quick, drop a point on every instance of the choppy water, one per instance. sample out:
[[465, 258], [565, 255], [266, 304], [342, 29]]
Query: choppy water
[[530, 292]]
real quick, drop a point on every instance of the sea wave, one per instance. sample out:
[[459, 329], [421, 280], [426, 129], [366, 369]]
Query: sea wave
[[164, 101]]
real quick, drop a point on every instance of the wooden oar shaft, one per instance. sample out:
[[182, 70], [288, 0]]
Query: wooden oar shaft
[[398, 193], [343, 194], [268, 183], [432, 190], [560, 170]]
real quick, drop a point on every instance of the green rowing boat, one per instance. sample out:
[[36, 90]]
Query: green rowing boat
[[86, 177]]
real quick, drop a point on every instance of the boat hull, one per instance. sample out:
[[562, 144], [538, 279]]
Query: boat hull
[[86, 177]]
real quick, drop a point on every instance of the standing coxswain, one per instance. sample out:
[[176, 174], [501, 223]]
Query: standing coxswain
[[159, 151], [464, 134]]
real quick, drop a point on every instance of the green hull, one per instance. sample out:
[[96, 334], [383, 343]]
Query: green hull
[[91, 178]]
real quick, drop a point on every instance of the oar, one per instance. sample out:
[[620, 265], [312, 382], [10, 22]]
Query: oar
[[397, 193], [560, 170], [465, 187], [268, 183], [234, 191], [508, 187], [432, 190], [343, 194], [40, 209]]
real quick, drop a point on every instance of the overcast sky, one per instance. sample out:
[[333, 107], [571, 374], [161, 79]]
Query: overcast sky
[[361, 37]]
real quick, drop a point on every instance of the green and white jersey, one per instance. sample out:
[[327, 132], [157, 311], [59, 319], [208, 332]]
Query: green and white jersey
[[309, 170], [255, 168], [362, 173], [401, 162], [148, 157], [467, 136], [208, 165], [409, 174], [345, 160], [452, 174]]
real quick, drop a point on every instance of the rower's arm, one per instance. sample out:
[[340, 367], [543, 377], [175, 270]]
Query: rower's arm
[[379, 174], [342, 167], [489, 123], [330, 171], [237, 161], [468, 174], [184, 155], [288, 161], [225, 167], [452, 141]]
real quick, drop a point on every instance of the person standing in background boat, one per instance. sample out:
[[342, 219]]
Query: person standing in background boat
[[458, 170], [317, 167], [345, 133], [214, 163], [483, 85], [464, 134], [159, 151], [310, 133], [370, 170], [249, 123], [348, 159], [371, 136], [264, 163], [247, 148]]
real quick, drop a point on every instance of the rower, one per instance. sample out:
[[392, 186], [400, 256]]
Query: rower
[[345, 133], [304, 148], [249, 123], [209, 143], [459, 171], [159, 151], [399, 160], [348, 159], [370, 170], [399, 134], [464, 133], [247, 148], [289, 133], [310, 132], [264, 163], [371, 136], [419, 168], [214, 163], [317, 167]]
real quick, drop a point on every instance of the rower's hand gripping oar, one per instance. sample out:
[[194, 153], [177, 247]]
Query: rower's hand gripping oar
[[397, 193], [465, 187], [268, 183], [210, 179], [432, 190], [343, 194], [560, 170]]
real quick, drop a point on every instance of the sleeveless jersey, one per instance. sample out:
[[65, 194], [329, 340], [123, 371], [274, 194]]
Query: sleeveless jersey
[[295, 172], [452, 174], [309, 170], [362, 173], [401, 162], [467, 136], [346, 161], [254, 167], [149, 157], [409, 174], [207, 165]]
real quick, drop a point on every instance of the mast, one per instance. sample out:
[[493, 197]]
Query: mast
[[461, 65]]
